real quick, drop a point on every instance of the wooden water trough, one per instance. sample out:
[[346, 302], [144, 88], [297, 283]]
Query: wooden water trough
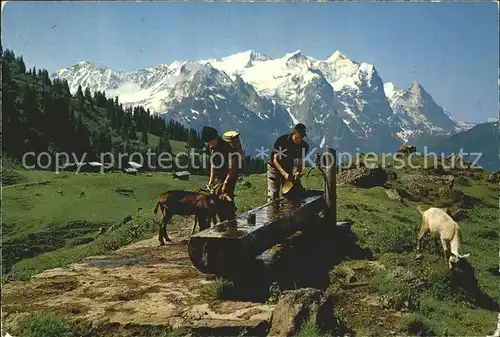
[[218, 249]]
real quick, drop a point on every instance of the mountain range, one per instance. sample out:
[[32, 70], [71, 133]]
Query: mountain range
[[344, 103]]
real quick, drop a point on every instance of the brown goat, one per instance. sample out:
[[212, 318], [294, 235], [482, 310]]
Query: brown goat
[[202, 205], [221, 211]]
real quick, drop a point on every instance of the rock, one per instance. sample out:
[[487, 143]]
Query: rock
[[407, 149], [350, 275], [127, 219], [473, 175], [444, 192], [363, 177], [295, 307], [462, 181], [458, 214], [494, 178], [393, 194], [417, 189], [497, 331], [373, 300], [449, 181], [455, 162], [392, 175], [351, 165], [457, 197]]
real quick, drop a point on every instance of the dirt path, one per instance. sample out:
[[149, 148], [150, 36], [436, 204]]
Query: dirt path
[[140, 286]]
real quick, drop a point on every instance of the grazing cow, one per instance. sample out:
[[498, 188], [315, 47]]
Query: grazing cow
[[437, 221], [203, 205]]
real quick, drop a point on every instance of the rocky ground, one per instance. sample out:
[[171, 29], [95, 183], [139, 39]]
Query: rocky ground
[[364, 280], [140, 286]]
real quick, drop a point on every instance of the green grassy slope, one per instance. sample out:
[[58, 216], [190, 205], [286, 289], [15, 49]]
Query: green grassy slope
[[445, 303], [482, 138]]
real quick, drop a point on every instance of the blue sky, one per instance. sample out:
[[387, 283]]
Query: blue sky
[[452, 49]]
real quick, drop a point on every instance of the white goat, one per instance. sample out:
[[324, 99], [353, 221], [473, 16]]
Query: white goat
[[437, 221]]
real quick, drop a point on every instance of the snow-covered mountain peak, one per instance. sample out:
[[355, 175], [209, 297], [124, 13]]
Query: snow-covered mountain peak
[[337, 97], [416, 87], [389, 89], [417, 109], [243, 58], [84, 63], [367, 68], [418, 93], [341, 67], [337, 55], [256, 56], [391, 92], [297, 58], [159, 67], [81, 66]]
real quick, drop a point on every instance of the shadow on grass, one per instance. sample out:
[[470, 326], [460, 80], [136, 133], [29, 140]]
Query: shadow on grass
[[302, 260], [467, 286]]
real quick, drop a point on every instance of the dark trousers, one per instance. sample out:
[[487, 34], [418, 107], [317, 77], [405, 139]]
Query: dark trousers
[[274, 183], [228, 208]]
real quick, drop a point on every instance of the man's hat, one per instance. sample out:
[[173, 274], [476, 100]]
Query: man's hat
[[300, 128], [208, 134]]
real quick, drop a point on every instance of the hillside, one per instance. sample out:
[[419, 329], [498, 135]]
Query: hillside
[[482, 138], [378, 283], [42, 115]]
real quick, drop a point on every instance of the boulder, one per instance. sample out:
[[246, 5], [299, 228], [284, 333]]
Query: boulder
[[364, 177], [405, 276], [350, 165], [295, 307], [457, 214], [462, 181], [473, 175], [393, 194], [437, 169], [497, 331], [407, 149], [454, 162], [245, 183], [392, 175]]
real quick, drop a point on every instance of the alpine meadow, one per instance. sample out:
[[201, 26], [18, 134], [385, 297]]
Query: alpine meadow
[[363, 205]]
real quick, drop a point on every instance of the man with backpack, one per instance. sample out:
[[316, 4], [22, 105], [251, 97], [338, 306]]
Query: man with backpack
[[287, 148], [225, 161]]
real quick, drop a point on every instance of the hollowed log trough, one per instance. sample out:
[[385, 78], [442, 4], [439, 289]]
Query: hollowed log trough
[[221, 248], [229, 246]]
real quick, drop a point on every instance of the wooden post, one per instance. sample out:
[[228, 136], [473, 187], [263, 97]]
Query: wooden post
[[331, 176]]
